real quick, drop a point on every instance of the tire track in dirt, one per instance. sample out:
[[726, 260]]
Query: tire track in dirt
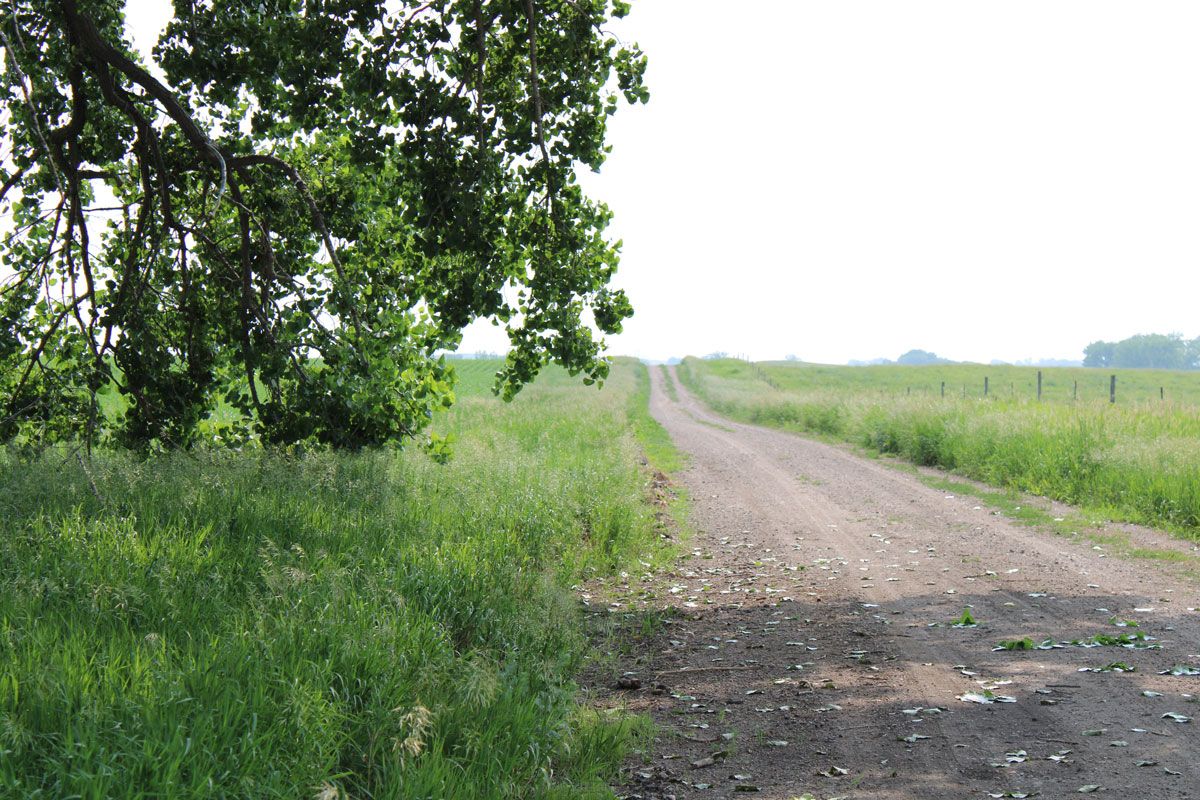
[[818, 609]]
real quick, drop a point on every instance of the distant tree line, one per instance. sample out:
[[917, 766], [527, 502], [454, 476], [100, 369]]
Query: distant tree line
[[922, 358], [913, 358], [1145, 350]]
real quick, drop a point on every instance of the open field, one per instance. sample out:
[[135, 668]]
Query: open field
[[1059, 384], [1137, 460], [372, 625]]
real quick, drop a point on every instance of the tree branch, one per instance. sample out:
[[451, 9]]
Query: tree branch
[[88, 37], [534, 84], [317, 217], [11, 181]]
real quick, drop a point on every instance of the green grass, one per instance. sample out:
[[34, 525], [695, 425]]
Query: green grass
[[227, 624], [660, 453], [656, 442], [1137, 460], [669, 383]]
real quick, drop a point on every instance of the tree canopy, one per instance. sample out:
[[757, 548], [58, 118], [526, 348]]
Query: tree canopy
[[1146, 350], [920, 358], [294, 207]]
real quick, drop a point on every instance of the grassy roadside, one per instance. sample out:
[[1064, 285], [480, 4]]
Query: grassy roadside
[[1134, 462], [661, 454], [655, 441], [370, 625], [1036, 513]]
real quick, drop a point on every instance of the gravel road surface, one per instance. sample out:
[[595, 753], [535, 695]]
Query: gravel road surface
[[813, 649]]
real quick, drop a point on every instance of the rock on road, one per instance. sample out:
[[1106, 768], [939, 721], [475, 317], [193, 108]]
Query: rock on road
[[815, 651]]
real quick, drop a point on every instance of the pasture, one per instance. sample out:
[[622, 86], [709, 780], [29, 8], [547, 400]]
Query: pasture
[[1005, 382], [1136, 460], [254, 624]]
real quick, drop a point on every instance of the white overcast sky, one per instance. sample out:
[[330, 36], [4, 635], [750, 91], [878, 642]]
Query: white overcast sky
[[842, 179]]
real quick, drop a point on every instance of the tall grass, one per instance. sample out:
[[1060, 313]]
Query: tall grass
[[228, 624], [1138, 461]]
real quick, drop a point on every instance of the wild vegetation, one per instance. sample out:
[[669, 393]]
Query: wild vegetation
[[1137, 459], [264, 624]]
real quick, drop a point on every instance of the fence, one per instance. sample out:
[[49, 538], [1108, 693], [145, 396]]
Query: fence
[[1037, 388]]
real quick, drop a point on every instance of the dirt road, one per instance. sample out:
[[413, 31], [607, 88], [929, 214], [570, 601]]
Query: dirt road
[[816, 651]]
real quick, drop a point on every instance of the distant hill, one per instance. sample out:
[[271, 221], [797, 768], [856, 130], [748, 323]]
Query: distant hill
[[1040, 362], [925, 357], [1051, 362]]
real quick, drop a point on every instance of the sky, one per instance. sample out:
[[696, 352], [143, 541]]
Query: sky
[[848, 179], [841, 179]]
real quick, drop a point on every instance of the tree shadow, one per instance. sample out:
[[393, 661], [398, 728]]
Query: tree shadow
[[773, 698]]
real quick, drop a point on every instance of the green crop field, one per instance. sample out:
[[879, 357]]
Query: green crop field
[[1137, 459], [226, 624]]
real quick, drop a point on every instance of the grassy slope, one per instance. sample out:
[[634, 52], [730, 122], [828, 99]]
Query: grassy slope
[[1136, 460], [251, 626]]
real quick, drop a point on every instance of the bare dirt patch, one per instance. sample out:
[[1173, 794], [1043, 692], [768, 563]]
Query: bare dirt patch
[[808, 646]]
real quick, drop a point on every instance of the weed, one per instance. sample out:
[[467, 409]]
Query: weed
[[966, 620], [1016, 644]]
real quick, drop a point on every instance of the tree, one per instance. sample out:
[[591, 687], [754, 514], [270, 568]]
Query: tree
[[1147, 350], [1192, 354], [1098, 354], [919, 358], [296, 207], [1152, 350]]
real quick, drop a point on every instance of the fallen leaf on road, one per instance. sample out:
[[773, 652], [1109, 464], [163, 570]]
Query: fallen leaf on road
[[1116, 666], [986, 698], [1181, 669]]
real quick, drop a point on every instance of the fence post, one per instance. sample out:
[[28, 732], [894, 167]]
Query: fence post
[[943, 388], [1039, 384], [1162, 395], [1075, 391], [1112, 388], [985, 386]]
